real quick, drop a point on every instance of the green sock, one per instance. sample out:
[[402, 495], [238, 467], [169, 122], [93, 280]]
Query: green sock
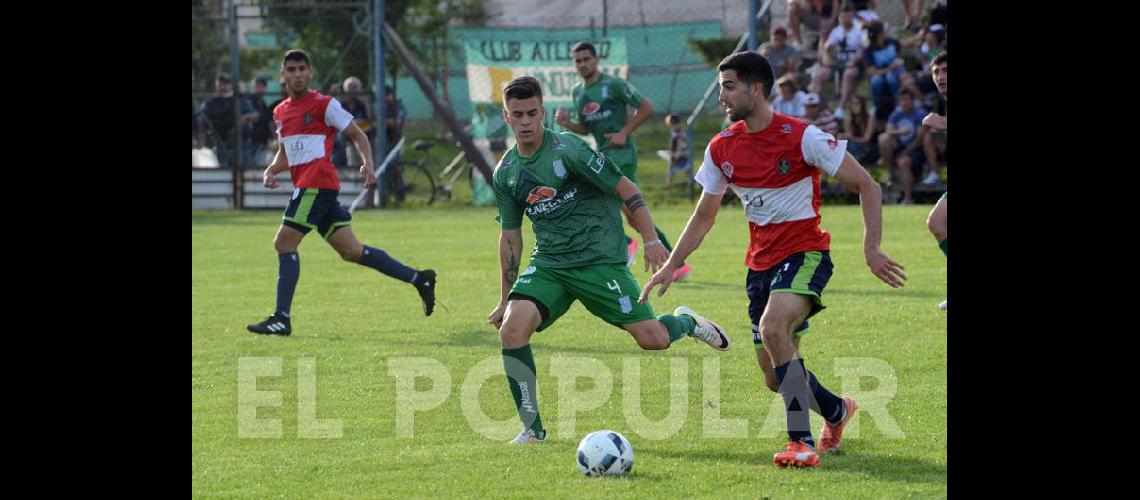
[[678, 326], [664, 240], [523, 381], [942, 245]]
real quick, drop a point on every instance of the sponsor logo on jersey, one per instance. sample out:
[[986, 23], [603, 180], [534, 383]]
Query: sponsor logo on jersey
[[541, 193], [784, 165], [726, 167], [832, 143], [726, 133], [548, 205], [590, 108], [786, 128]]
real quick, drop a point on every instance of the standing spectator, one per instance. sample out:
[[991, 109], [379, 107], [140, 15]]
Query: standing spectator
[[815, 114], [263, 127], [783, 57], [395, 115], [817, 15], [790, 100], [840, 53], [217, 119], [859, 126], [883, 61], [356, 105], [901, 144], [679, 160]]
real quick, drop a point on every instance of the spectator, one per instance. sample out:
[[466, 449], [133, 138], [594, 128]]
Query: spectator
[[679, 160], [815, 114], [339, 156], [859, 126], [395, 115], [865, 11], [791, 100], [934, 143], [818, 15], [840, 53], [783, 57], [356, 105], [883, 63], [901, 144], [263, 127], [217, 119]]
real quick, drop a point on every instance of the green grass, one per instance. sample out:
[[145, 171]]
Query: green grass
[[353, 323]]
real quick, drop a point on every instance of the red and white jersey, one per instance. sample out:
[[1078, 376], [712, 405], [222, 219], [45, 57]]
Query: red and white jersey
[[775, 173], [306, 128]]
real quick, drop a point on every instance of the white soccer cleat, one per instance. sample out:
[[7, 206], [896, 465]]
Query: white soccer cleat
[[706, 331], [942, 306], [528, 436]]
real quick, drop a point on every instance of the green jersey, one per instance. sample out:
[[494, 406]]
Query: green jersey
[[601, 107], [566, 189]]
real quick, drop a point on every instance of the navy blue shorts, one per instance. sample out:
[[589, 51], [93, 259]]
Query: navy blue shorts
[[312, 208], [804, 273]]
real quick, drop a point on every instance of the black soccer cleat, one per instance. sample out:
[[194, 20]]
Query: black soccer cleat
[[425, 285], [273, 325]]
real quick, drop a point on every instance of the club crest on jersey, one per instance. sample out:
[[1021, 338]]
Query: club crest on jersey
[[559, 168], [590, 108], [726, 167], [784, 165], [786, 128], [308, 118], [725, 133], [541, 193], [605, 91]]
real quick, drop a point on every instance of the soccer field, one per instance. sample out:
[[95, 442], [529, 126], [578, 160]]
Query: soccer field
[[344, 397]]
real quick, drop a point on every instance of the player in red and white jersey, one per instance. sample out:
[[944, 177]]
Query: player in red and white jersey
[[307, 123], [772, 162]]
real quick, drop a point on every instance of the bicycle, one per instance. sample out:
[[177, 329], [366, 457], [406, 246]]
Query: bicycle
[[412, 183]]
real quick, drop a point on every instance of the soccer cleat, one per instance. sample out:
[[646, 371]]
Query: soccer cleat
[[942, 306], [797, 454], [273, 325], [706, 331], [830, 436], [631, 252], [682, 273], [425, 284], [931, 179], [528, 436]]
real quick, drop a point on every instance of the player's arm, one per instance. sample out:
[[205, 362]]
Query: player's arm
[[700, 223], [510, 255], [562, 118], [856, 178], [630, 195], [353, 132], [280, 164], [644, 112]]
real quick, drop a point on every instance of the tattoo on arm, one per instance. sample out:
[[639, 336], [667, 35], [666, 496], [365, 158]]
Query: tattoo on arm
[[511, 273], [635, 202]]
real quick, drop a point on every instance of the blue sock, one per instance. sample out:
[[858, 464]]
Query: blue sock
[[288, 272], [828, 405], [792, 378], [380, 260]]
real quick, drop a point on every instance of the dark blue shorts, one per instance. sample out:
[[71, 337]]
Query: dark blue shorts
[[312, 208], [804, 273]]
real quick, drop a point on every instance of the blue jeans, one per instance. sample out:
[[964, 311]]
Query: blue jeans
[[885, 85]]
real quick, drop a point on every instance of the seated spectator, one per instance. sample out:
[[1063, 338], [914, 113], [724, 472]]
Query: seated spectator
[[817, 15], [679, 160], [815, 114], [840, 54], [934, 144], [859, 126], [901, 144], [790, 100], [865, 11], [783, 57], [355, 103], [884, 64]]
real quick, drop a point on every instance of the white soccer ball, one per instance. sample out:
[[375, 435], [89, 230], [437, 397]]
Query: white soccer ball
[[605, 453]]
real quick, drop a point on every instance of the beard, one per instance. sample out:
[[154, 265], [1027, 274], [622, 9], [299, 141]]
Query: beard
[[738, 114]]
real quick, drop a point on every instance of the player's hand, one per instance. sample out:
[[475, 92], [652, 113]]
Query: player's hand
[[496, 316], [884, 268], [655, 257], [369, 175], [617, 139], [664, 277], [269, 180], [935, 121], [561, 117]]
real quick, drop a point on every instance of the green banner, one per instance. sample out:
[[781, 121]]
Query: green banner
[[493, 61]]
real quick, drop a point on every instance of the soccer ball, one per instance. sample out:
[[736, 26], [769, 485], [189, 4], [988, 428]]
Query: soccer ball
[[605, 453]]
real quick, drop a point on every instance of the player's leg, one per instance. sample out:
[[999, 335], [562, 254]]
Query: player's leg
[[536, 301], [936, 223], [294, 226], [336, 229]]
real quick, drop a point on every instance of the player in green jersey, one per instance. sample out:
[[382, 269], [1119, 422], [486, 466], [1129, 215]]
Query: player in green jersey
[[568, 192], [600, 103]]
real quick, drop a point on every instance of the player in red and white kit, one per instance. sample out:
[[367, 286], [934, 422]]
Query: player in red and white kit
[[772, 162], [307, 122]]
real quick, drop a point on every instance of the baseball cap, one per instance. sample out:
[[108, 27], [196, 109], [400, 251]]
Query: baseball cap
[[780, 30], [811, 98]]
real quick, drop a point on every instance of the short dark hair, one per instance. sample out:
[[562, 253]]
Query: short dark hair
[[750, 68], [261, 80], [906, 92], [584, 45], [939, 60], [523, 87], [296, 55], [673, 119]]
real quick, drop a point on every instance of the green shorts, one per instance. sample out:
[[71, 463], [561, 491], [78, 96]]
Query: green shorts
[[608, 291]]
